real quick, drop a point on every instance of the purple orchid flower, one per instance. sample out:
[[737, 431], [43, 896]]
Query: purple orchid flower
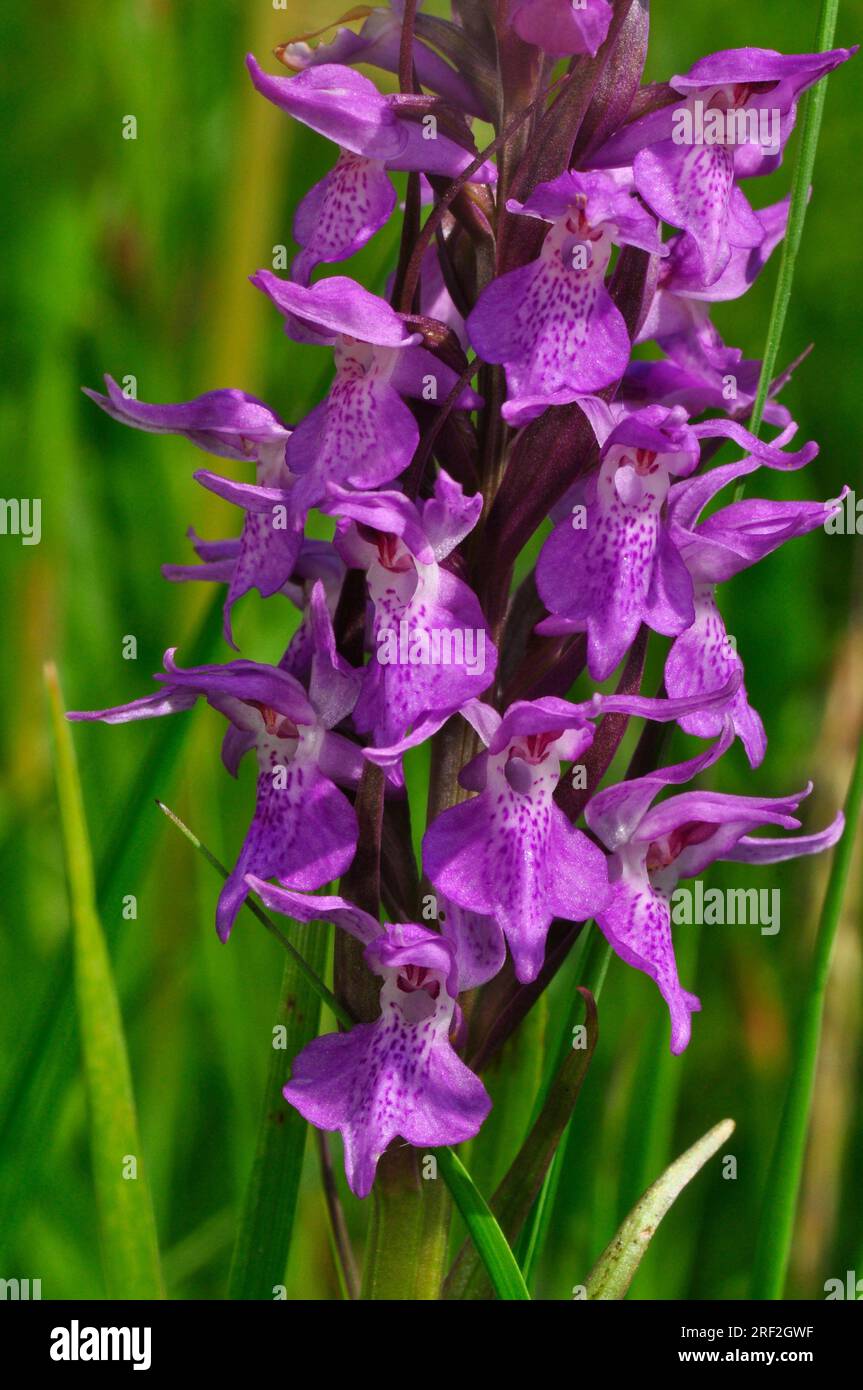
[[617, 540], [232, 425], [730, 540], [378, 44], [431, 647], [700, 372], [304, 829], [652, 848], [375, 133], [510, 853], [552, 323], [562, 27], [362, 434], [738, 112], [398, 1076]]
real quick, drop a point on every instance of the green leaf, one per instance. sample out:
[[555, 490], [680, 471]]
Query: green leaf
[[613, 1272], [776, 1230], [517, 1192], [126, 1223], [490, 1241], [267, 1222]]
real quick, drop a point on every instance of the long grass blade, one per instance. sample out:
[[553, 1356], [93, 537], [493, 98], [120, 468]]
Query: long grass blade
[[776, 1231], [804, 165], [44, 1058], [127, 1225], [495, 1253]]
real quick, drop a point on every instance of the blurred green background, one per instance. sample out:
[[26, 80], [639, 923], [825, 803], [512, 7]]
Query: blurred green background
[[131, 256]]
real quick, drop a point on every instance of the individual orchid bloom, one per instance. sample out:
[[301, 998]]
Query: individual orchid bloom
[[304, 829], [396, 1077], [552, 323], [375, 133], [653, 847], [617, 541], [738, 110], [431, 647], [562, 27], [700, 372], [714, 550], [362, 434], [378, 44], [510, 852], [232, 425]]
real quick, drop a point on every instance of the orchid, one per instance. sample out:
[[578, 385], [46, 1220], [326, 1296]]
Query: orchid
[[374, 133], [653, 847], [491, 507], [552, 322], [431, 649], [304, 828], [232, 425], [399, 1076], [747, 99], [619, 538]]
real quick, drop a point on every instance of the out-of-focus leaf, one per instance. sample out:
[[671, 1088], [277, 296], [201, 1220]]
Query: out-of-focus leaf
[[127, 1226], [615, 1269], [783, 1184], [45, 1056]]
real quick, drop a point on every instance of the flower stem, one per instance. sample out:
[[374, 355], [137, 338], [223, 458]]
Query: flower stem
[[810, 127], [407, 1240]]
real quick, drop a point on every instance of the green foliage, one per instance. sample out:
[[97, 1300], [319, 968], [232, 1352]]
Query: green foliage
[[132, 257]]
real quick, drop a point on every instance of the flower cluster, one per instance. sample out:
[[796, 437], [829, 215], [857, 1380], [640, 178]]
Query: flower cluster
[[586, 228]]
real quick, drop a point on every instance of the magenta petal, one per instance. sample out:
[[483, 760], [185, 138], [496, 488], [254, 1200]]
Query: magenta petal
[[231, 424], [362, 433], [341, 213], [637, 924], [691, 187], [338, 103], [559, 28], [316, 907], [515, 856], [700, 662], [478, 942], [386, 1079], [322, 312], [304, 832]]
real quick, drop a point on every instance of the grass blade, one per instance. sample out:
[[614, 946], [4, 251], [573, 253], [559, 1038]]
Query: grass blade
[[804, 165], [500, 1262], [127, 1226], [613, 1272], [775, 1235], [514, 1197], [44, 1060], [267, 1222]]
